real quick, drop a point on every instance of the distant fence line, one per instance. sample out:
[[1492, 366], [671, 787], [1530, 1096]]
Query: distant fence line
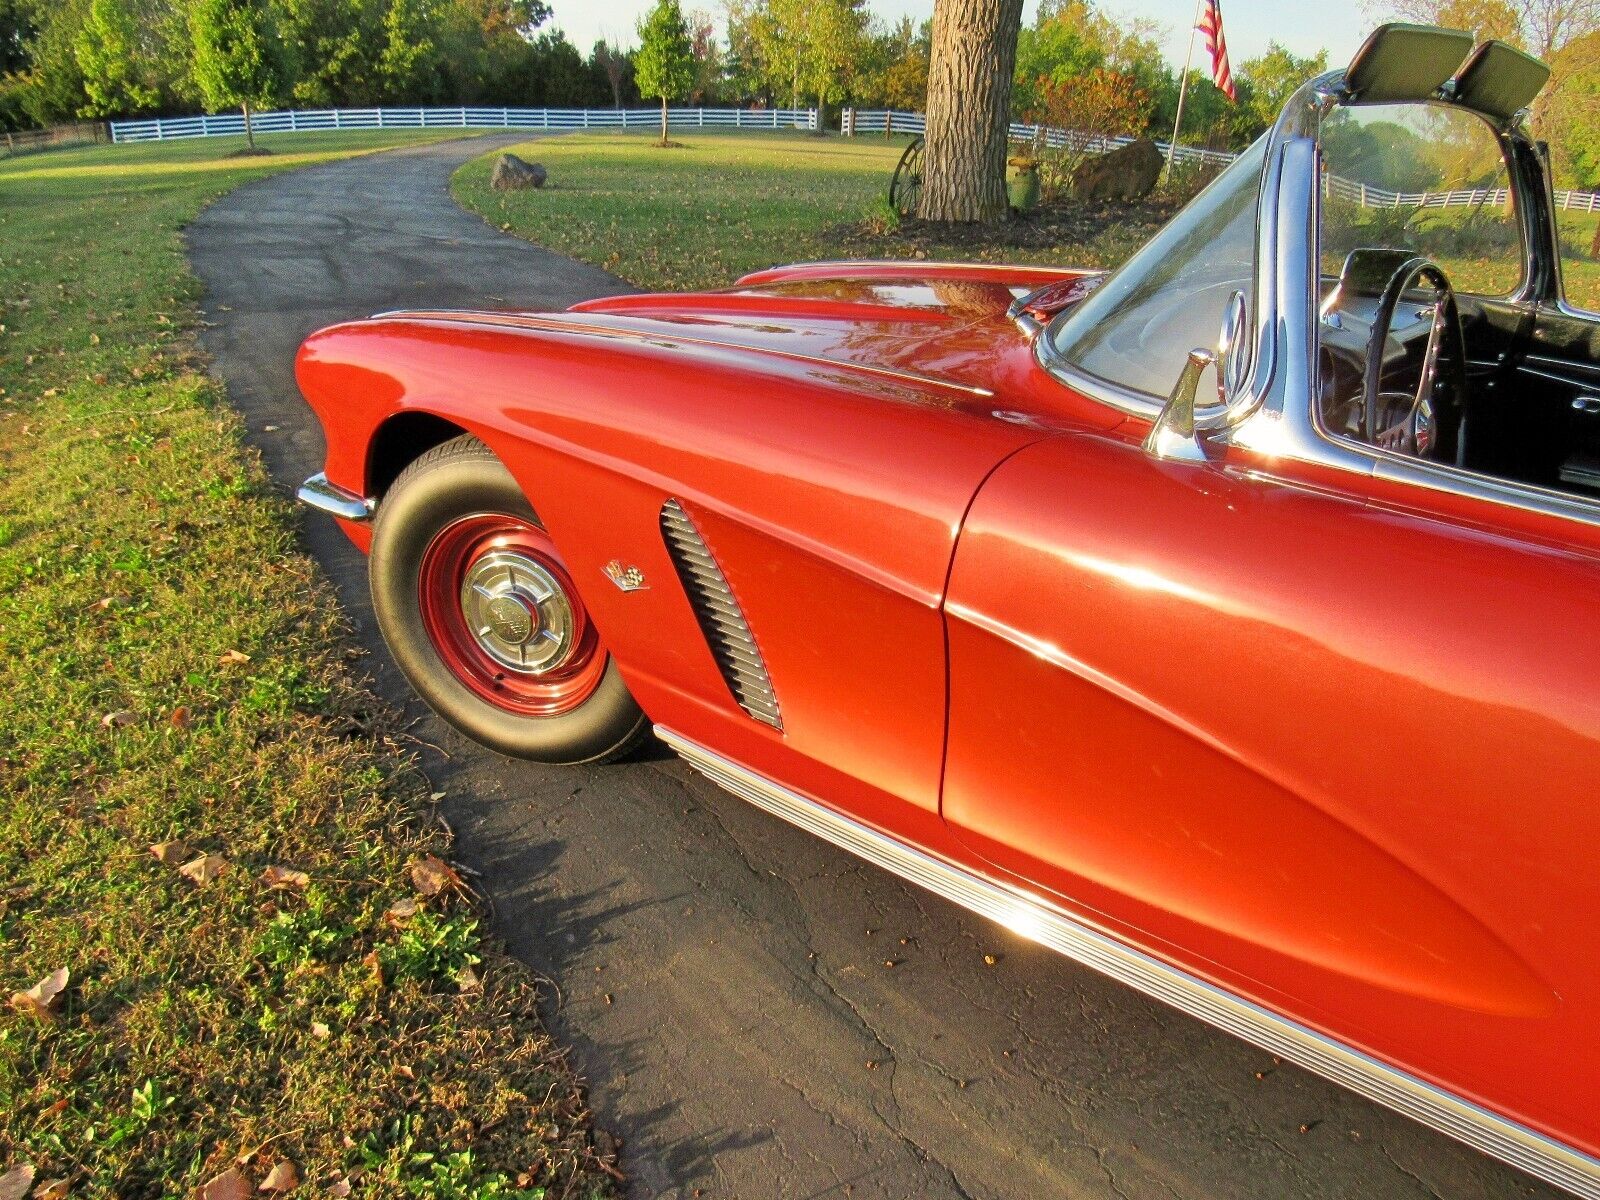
[[864, 122], [562, 119], [79, 133], [854, 122]]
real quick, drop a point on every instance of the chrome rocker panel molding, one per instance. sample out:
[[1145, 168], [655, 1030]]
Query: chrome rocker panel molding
[[1472, 1124], [320, 493]]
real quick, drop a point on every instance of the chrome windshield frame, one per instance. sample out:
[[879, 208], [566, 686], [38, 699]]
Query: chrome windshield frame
[[1276, 417], [1286, 423]]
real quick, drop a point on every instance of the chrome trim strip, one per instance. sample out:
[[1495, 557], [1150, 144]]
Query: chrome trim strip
[[326, 497], [1028, 917]]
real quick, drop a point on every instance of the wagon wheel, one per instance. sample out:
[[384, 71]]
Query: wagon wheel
[[906, 187]]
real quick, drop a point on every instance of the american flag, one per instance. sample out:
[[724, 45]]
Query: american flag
[[1217, 47]]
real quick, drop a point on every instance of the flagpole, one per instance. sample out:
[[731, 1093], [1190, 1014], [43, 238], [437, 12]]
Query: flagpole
[[1183, 87]]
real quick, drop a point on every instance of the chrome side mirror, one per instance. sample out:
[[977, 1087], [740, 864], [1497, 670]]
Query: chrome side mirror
[[1233, 350], [1176, 434]]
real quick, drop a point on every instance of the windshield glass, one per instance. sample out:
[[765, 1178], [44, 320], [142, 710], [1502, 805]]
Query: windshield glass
[[1137, 330]]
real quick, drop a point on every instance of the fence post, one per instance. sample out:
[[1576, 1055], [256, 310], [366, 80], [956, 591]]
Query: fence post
[[380, 118]]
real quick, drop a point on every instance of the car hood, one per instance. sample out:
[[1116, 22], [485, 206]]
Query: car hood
[[946, 323]]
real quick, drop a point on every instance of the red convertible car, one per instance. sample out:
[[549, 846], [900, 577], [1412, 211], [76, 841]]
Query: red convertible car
[[1230, 623]]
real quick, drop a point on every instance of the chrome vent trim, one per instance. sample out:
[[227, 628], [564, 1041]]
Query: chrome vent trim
[[1499, 1137], [728, 634]]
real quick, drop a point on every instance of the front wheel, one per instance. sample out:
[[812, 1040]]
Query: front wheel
[[483, 619]]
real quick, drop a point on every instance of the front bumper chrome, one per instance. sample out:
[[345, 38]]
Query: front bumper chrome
[[324, 496]]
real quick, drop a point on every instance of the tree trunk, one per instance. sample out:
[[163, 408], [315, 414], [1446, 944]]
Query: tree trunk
[[663, 120], [969, 110], [249, 133]]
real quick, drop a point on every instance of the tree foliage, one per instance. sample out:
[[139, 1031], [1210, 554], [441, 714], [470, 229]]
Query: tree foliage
[[62, 58], [113, 64], [664, 65], [238, 59]]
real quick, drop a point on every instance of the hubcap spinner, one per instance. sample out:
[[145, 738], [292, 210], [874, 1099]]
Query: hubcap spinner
[[517, 612]]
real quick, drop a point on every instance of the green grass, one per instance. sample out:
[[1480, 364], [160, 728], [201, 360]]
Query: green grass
[[698, 215], [142, 558], [723, 204]]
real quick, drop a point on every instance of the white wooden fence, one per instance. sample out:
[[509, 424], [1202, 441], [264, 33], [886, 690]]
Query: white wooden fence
[[560, 119], [855, 122], [862, 122]]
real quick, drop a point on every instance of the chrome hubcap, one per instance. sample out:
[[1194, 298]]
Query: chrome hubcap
[[517, 612]]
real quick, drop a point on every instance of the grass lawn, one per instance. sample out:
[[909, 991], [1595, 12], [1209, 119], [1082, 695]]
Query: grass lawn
[[725, 204], [173, 669]]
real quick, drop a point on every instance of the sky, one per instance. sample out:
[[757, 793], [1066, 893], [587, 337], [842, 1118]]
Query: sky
[[1304, 26]]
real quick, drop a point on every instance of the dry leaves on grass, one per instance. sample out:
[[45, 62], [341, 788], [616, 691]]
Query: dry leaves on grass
[[432, 875], [116, 720], [204, 869], [40, 999], [232, 658], [284, 879], [51, 1189], [14, 1184], [401, 911], [170, 854], [282, 1178], [181, 717], [230, 1185]]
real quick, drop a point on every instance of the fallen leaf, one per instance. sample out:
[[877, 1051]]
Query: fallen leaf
[[50, 1189], [40, 999], [170, 854], [282, 1178], [204, 869], [374, 964], [181, 717], [285, 879], [339, 1188], [433, 875], [14, 1184], [401, 911], [232, 658], [469, 981], [230, 1185], [114, 720], [319, 1030]]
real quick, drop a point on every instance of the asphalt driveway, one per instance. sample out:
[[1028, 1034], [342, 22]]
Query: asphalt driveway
[[721, 978]]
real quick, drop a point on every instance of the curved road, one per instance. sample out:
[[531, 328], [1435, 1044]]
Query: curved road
[[722, 977]]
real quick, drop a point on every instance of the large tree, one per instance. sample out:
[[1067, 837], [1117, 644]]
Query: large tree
[[238, 58], [664, 63], [969, 109]]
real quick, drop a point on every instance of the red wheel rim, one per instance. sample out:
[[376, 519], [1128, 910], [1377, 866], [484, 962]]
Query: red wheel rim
[[501, 610]]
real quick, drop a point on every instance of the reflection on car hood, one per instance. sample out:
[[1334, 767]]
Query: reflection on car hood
[[942, 322]]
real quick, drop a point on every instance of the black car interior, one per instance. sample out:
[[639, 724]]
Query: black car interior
[[1508, 387]]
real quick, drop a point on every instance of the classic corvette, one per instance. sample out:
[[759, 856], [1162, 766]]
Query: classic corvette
[[1230, 623]]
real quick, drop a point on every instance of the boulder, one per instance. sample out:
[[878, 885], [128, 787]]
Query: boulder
[[1127, 173], [512, 173]]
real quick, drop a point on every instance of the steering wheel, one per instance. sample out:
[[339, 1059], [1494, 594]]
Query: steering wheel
[[1429, 423]]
